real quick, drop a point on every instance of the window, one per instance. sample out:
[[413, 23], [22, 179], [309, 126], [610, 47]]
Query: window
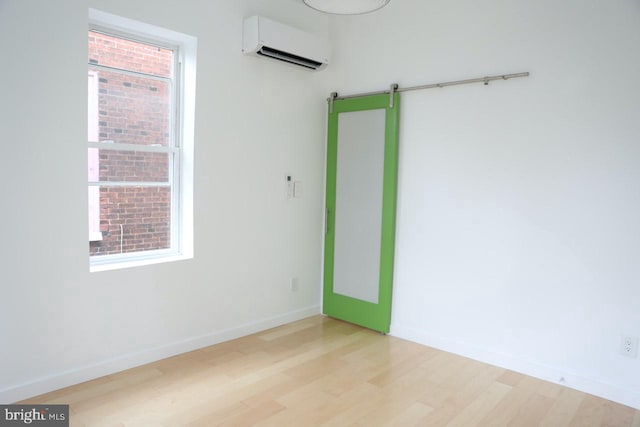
[[140, 142]]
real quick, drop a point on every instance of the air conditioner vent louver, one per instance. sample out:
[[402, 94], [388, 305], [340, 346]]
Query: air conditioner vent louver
[[266, 38], [288, 57]]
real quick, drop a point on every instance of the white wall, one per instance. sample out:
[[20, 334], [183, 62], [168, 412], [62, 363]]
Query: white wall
[[518, 234], [256, 120]]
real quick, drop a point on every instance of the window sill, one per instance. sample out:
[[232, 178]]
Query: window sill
[[119, 265]]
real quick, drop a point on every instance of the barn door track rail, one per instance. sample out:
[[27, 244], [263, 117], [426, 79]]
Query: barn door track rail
[[395, 88]]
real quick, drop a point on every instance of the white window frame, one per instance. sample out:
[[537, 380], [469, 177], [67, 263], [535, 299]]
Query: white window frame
[[93, 158], [183, 109]]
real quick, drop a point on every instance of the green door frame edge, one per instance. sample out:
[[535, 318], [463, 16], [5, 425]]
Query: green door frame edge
[[364, 313]]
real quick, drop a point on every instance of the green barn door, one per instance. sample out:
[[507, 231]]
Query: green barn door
[[362, 164]]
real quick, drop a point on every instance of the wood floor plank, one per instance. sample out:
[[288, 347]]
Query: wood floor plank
[[412, 416], [589, 413], [321, 371], [514, 402], [550, 390], [307, 408], [481, 406], [402, 367], [617, 415], [352, 406], [249, 418], [563, 409], [450, 401], [463, 394], [510, 378], [533, 411]]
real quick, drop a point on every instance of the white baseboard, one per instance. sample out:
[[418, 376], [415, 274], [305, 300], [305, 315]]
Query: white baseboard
[[106, 367], [548, 373]]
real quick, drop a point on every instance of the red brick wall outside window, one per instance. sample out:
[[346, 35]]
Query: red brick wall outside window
[[133, 108]]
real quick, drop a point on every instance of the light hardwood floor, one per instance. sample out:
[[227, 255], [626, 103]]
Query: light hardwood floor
[[321, 371]]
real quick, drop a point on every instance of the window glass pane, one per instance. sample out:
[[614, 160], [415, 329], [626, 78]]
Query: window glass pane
[[130, 166], [133, 109], [116, 52], [133, 219]]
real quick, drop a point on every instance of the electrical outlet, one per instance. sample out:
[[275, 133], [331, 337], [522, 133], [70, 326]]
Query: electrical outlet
[[629, 346], [294, 284]]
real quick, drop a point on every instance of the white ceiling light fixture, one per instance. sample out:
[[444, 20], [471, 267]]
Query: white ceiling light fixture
[[346, 7]]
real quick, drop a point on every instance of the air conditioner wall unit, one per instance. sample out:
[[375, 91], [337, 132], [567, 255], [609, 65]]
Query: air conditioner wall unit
[[271, 39]]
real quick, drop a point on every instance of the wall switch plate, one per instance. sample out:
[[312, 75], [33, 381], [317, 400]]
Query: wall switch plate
[[288, 179], [629, 346]]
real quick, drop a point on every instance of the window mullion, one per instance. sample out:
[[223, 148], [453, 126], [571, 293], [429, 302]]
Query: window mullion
[[98, 67], [118, 146], [129, 184]]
